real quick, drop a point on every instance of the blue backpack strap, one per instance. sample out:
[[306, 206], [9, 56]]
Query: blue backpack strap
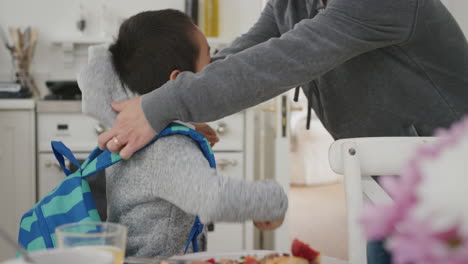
[[197, 229], [99, 159], [199, 138], [61, 151], [204, 145]]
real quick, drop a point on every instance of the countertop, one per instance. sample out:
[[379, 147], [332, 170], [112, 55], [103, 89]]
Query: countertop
[[17, 104], [62, 106], [41, 106]]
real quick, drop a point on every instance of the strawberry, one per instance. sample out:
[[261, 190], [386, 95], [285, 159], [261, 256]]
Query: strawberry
[[250, 260], [211, 260], [302, 250]]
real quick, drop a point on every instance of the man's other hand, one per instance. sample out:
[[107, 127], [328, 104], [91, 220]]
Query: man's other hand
[[207, 131]]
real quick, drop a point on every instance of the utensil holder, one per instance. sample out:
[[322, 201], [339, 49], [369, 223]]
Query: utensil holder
[[21, 65]]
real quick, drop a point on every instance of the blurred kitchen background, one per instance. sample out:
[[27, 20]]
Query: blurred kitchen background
[[62, 46], [254, 143]]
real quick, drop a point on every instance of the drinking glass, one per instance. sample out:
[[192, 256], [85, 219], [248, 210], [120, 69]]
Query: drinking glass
[[105, 236]]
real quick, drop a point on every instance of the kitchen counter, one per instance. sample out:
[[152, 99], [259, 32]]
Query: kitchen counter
[[42, 106], [17, 104], [51, 106]]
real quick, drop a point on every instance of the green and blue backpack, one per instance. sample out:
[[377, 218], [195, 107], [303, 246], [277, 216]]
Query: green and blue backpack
[[72, 202]]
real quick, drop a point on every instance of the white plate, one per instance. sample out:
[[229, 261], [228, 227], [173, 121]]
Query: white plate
[[223, 255], [237, 255]]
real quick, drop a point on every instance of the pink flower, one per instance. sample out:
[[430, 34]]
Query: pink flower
[[410, 243], [453, 246], [414, 242], [380, 220], [427, 223]]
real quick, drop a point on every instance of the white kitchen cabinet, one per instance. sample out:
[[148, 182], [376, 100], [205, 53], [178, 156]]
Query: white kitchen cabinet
[[234, 158], [231, 131], [228, 236], [17, 166]]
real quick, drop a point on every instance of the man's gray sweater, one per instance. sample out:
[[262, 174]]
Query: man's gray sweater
[[369, 68], [160, 190]]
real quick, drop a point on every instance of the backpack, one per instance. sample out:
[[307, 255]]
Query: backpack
[[72, 202]]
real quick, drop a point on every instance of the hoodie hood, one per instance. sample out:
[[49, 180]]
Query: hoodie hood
[[100, 86]]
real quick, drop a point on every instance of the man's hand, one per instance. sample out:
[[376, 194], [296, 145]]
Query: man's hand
[[207, 132], [268, 225], [131, 130]]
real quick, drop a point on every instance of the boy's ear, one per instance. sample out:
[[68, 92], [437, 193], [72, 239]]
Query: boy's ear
[[174, 74]]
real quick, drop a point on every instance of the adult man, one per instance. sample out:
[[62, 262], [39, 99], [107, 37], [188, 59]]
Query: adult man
[[368, 67]]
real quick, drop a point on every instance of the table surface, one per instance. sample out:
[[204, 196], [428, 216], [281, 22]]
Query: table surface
[[329, 260], [324, 260], [237, 255]]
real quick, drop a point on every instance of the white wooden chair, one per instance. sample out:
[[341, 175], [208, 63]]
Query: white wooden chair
[[359, 158]]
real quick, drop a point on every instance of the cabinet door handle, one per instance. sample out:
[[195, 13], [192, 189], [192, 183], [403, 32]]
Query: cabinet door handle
[[99, 129], [223, 163], [49, 164], [273, 109], [221, 129], [268, 109], [296, 108]]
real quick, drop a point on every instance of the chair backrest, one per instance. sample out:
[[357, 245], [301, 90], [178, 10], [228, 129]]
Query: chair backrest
[[377, 155], [358, 159]]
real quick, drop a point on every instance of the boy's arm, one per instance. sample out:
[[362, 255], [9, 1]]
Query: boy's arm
[[264, 29], [184, 178]]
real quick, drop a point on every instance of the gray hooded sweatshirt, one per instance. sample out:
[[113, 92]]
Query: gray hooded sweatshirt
[[160, 190], [369, 68]]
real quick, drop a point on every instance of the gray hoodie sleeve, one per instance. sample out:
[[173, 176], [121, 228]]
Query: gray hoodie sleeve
[[314, 46], [185, 179]]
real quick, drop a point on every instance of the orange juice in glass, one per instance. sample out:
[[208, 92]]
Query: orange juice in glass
[[104, 236]]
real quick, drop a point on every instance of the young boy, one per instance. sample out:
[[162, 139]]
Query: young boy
[[160, 190]]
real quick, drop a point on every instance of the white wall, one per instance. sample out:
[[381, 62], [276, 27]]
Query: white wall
[[459, 9], [56, 20]]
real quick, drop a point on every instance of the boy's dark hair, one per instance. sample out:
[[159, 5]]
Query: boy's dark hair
[[151, 45]]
